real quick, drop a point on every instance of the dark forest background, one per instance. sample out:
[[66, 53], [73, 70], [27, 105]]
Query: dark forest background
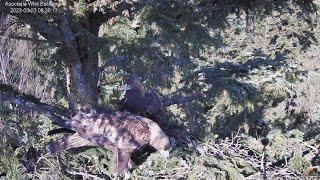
[[255, 62]]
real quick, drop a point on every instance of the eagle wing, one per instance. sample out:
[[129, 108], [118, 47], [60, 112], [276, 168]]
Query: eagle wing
[[68, 142], [102, 129], [145, 103], [133, 101], [135, 132], [122, 130], [154, 104]]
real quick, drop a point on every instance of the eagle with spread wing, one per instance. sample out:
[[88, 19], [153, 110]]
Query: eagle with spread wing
[[121, 131]]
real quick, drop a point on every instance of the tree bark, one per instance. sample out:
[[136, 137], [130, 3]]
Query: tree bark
[[72, 100], [81, 67]]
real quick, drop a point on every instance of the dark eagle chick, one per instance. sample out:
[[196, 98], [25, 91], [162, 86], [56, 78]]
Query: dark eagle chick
[[137, 99], [121, 131]]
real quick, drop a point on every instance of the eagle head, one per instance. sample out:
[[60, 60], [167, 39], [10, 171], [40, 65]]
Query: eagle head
[[158, 139], [162, 144], [134, 83]]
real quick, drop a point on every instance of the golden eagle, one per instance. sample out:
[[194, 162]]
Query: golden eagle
[[121, 131], [137, 99]]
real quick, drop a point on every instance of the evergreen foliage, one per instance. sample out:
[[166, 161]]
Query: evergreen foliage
[[252, 60]]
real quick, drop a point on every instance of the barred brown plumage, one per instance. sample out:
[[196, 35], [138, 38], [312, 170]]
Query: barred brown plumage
[[122, 131]]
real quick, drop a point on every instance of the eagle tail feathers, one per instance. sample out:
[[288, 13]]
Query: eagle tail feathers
[[68, 142]]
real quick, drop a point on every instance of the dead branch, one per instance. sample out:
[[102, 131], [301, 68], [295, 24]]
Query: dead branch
[[55, 113], [229, 149]]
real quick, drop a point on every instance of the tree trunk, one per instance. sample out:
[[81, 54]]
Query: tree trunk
[[82, 71], [82, 83], [78, 39]]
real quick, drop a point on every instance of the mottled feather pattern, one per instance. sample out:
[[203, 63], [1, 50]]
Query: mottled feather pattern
[[102, 130], [121, 131], [68, 142]]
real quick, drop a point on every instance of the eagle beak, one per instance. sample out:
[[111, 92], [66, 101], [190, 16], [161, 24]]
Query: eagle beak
[[165, 153]]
